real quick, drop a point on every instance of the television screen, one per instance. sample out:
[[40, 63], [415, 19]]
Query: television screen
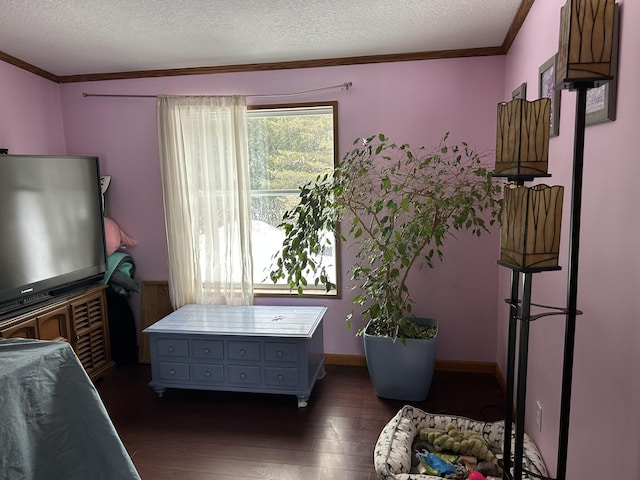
[[51, 226]]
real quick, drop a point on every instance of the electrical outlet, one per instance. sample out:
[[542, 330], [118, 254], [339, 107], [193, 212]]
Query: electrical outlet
[[539, 416]]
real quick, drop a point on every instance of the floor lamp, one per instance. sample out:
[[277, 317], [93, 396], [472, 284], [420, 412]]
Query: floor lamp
[[529, 243], [585, 58], [530, 231]]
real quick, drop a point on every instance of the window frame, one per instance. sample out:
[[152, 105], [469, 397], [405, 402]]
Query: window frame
[[265, 290]]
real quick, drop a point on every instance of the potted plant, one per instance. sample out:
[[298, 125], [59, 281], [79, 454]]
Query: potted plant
[[401, 204]]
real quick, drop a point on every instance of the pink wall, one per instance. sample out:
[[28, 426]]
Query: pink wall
[[30, 115], [606, 387], [412, 102], [416, 102]]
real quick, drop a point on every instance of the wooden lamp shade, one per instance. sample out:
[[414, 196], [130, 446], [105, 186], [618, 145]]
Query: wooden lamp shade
[[531, 224], [586, 43], [522, 141]]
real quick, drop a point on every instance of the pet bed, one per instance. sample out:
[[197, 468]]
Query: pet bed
[[392, 454]]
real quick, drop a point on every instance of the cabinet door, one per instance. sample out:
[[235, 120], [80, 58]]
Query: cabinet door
[[90, 338], [54, 325], [28, 329]]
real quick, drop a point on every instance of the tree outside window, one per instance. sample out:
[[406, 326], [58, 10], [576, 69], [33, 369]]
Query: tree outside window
[[289, 146]]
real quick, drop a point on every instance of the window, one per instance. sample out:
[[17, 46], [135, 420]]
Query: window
[[289, 145]]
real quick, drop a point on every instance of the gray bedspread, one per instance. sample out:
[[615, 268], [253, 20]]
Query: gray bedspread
[[53, 424]]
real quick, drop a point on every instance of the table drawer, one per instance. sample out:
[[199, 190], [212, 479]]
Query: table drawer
[[244, 375], [174, 371], [208, 373], [281, 352], [172, 347], [249, 351], [213, 349], [281, 377]]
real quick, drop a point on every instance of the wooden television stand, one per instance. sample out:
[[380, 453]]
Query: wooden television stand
[[78, 318]]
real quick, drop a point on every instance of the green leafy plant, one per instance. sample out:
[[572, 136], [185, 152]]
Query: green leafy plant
[[401, 204]]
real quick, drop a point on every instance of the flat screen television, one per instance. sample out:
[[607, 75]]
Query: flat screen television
[[51, 227]]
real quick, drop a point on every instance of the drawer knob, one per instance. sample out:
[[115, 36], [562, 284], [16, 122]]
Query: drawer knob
[[207, 373], [242, 352], [172, 372], [243, 376], [206, 351], [170, 349], [279, 353], [280, 377]]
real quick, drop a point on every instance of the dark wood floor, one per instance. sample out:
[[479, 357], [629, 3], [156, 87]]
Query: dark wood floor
[[201, 435]]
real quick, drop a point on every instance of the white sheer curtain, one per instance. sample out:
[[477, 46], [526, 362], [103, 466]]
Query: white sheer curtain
[[205, 182]]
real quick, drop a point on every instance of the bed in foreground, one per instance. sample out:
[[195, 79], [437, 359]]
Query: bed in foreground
[[53, 422]]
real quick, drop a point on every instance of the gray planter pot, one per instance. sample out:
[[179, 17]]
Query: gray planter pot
[[399, 371]]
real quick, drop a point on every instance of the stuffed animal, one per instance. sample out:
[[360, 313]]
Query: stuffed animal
[[463, 442], [116, 238], [476, 476]]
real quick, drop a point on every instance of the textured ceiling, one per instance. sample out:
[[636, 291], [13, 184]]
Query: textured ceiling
[[73, 37]]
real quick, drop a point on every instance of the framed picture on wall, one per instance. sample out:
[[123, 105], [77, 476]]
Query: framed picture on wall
[[520, 92], [601, 104], [601, 101], [546, 76]]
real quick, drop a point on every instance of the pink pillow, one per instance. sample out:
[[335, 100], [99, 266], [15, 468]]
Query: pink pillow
[[115, 237]]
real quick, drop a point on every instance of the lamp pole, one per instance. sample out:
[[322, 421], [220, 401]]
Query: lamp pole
[[572, 288]]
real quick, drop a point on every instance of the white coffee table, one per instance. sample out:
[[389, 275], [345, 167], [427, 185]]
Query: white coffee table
[[265, 349]]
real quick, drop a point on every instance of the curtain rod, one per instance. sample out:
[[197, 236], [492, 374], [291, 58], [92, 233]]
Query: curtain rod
[[346, 86]]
